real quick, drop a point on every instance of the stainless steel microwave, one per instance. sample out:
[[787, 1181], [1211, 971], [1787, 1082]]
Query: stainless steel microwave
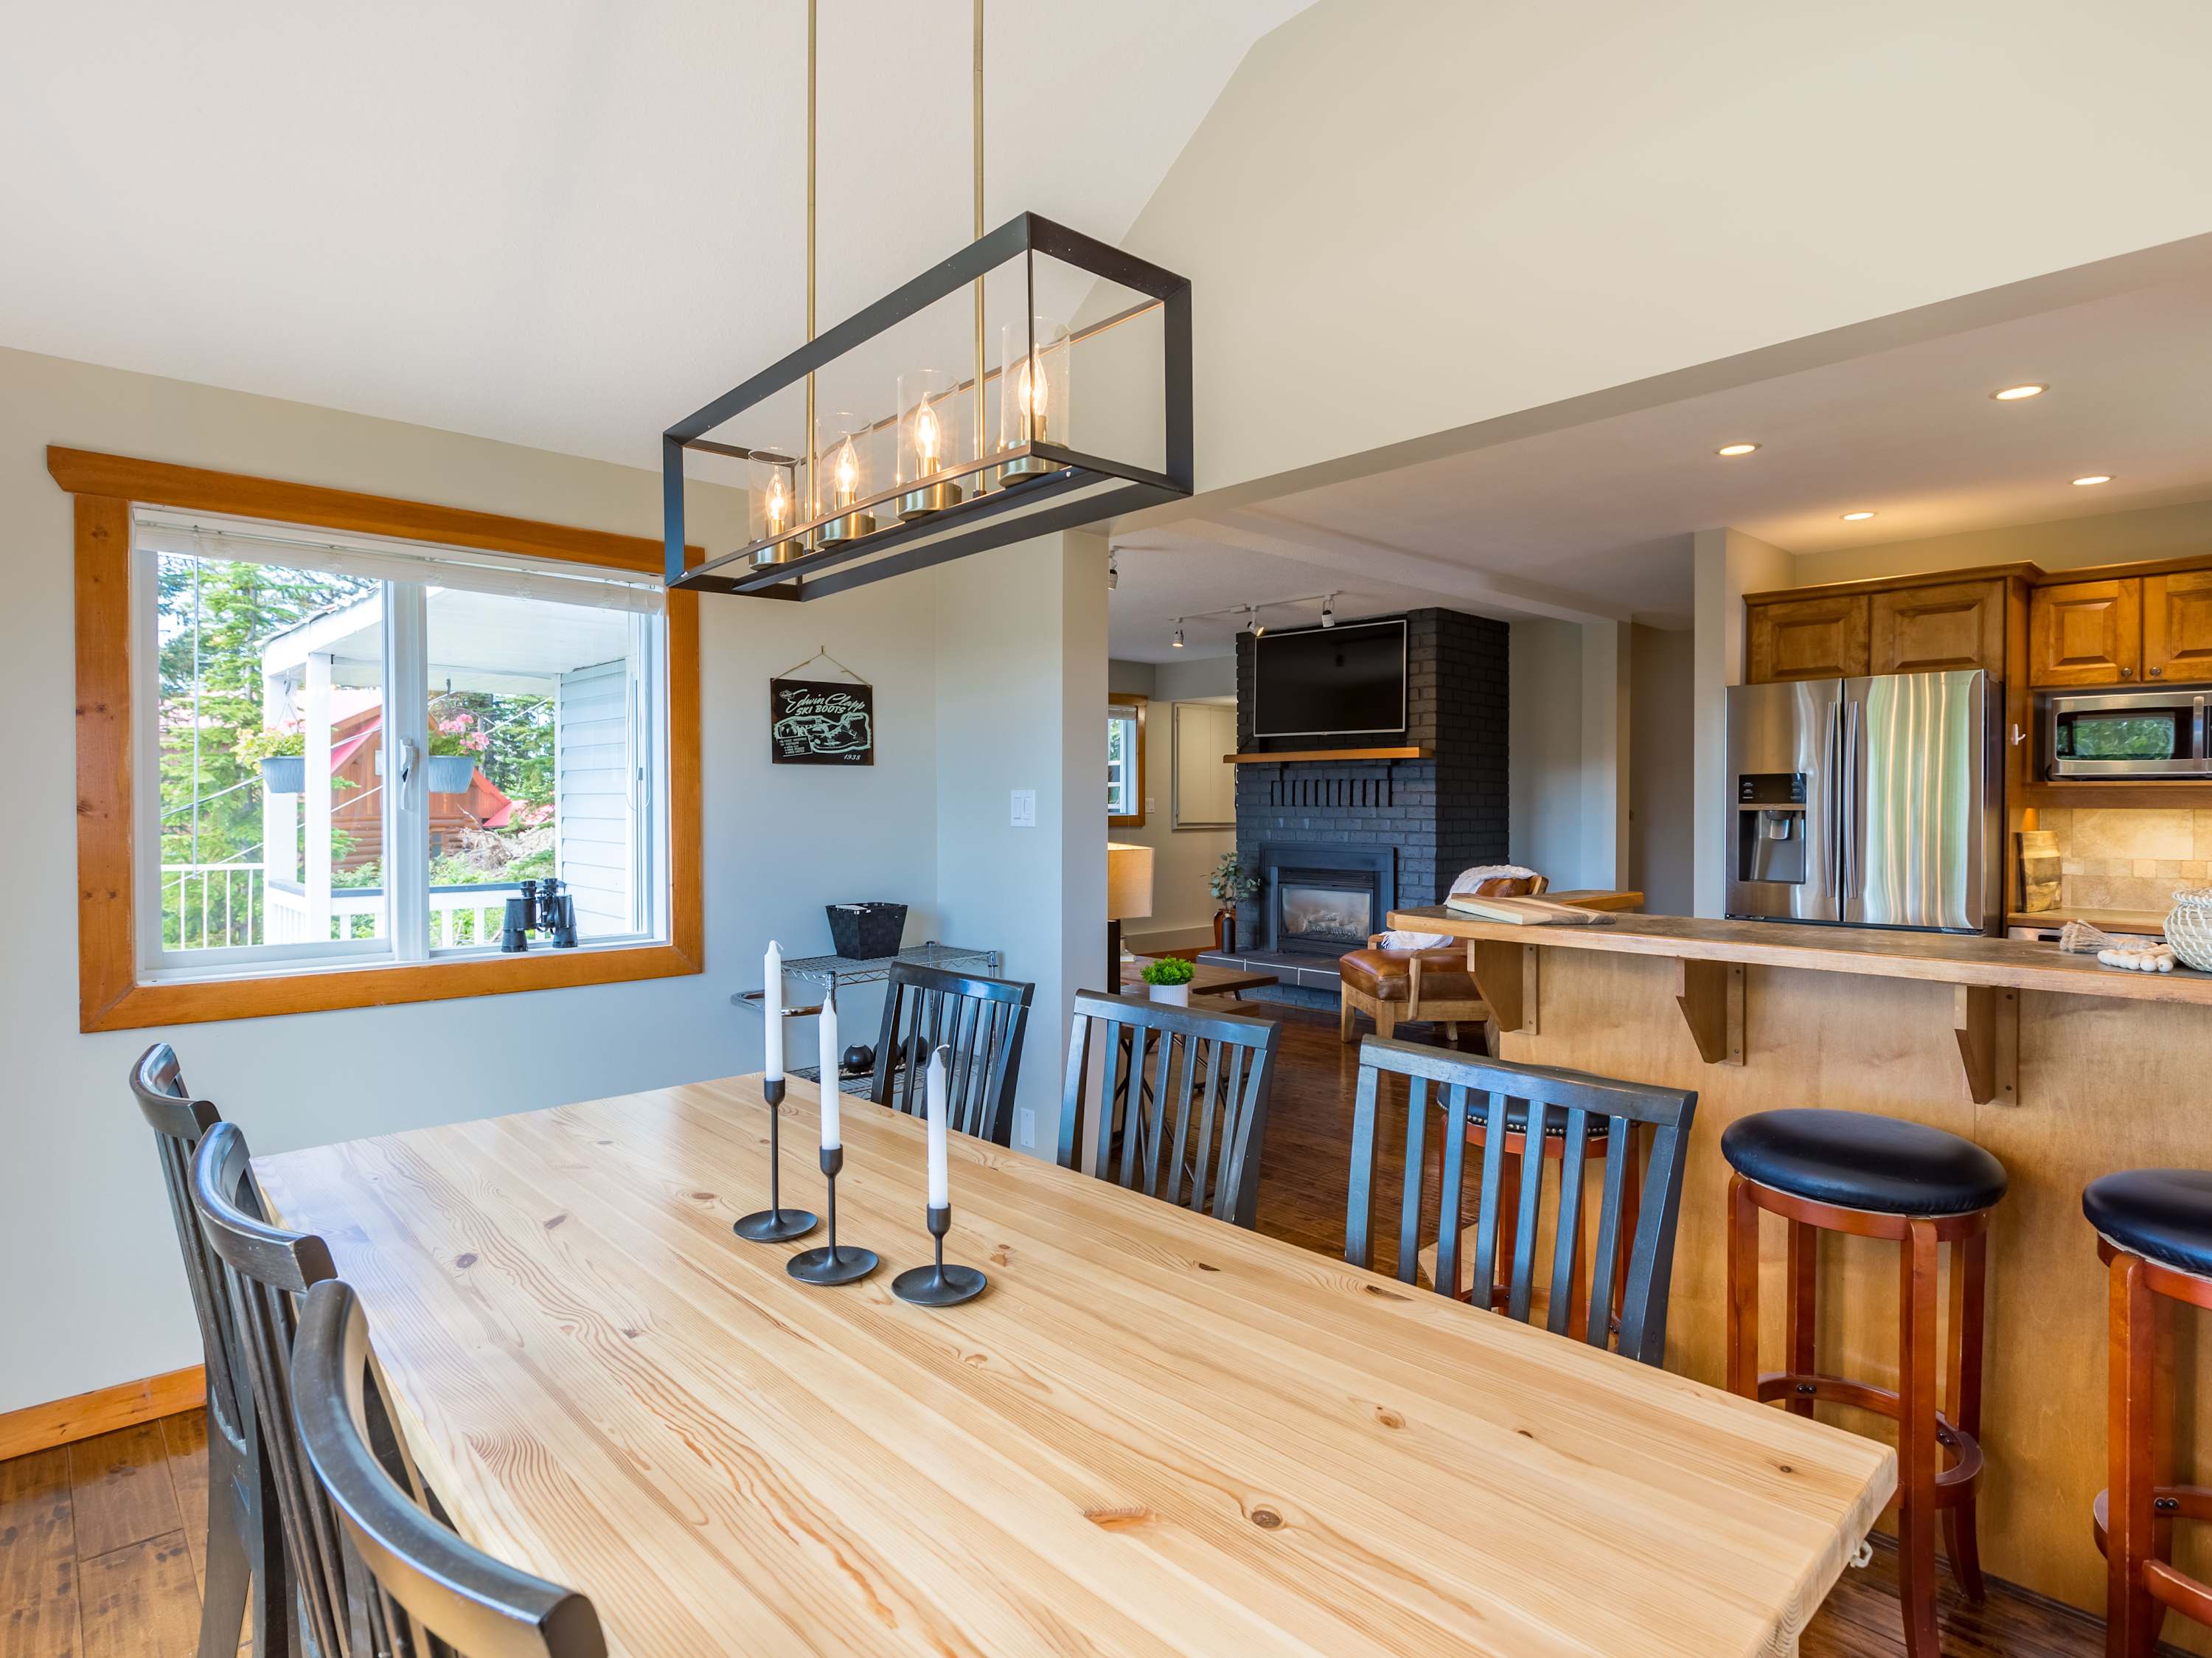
[[2126, 734]]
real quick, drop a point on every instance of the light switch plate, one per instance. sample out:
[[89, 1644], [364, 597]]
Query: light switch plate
[[1025, 1127], [1024, 809]]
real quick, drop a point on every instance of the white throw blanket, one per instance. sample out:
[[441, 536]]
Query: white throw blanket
[[1468, 881]]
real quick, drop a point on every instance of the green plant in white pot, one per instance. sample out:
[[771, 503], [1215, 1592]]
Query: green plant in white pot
[[1167, 979]]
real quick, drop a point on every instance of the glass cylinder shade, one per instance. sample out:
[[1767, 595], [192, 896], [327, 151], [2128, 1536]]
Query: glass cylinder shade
[[1033, 393], [841, 442], [775, 506], [929, 441]]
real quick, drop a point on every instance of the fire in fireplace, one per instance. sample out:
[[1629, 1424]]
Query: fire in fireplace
[[1317, 915]]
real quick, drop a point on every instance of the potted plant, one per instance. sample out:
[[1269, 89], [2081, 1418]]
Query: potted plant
[[455, 747], [1230, 885], [1167, 979], [281, 753]]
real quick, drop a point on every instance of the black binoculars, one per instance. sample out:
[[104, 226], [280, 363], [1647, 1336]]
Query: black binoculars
[[543, 907]]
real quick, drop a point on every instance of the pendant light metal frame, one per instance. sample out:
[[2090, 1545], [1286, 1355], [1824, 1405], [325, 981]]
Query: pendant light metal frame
[[1013, 512], [982, 521]]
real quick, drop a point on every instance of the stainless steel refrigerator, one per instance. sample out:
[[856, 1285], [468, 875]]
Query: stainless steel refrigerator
[[1870, 802]]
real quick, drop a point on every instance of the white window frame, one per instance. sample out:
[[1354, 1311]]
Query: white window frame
[[406, 729]]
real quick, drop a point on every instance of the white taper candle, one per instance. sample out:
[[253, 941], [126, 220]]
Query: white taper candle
[[831, 1131], [772, 1009], [939, 1184]]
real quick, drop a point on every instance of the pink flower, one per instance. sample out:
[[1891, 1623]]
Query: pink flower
[[460, 722], [477, 741]]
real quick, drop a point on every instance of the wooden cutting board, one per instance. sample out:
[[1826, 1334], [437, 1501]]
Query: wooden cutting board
[[2039, 872]]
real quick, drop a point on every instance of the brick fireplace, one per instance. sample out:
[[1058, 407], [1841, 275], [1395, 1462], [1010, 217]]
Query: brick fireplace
[[1403, 827]]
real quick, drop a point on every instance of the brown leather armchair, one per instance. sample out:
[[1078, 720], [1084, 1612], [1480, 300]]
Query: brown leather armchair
[[1390, 986]]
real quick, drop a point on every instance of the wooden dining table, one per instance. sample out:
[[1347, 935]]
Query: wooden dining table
[[1154, 1433]]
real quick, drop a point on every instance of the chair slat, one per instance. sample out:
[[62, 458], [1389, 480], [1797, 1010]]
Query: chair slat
[[1220, 1081], [1566, 1247], [1541, 1098], [981, 1020]]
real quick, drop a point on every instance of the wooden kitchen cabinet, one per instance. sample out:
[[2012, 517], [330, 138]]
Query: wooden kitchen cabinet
[[1958, 625], [2177, 625], [1807, 639], [2089, 632]]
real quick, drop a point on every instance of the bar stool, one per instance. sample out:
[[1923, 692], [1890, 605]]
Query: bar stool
[[1875, 1177], [2154, 1232]]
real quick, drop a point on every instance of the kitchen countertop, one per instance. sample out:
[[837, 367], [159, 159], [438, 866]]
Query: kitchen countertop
[[1942, 958]]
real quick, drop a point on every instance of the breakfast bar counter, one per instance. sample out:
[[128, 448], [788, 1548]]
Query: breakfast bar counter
[[2062, 1069]]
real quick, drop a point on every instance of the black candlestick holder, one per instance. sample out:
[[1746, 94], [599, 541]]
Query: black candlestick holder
[[776, 1223], [939, 1285], [832, 1265]]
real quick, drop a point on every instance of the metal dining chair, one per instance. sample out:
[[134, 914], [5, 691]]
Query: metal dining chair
[[1213, 1069], [1585, 1110], [263, 1270], [244, 1545], [429, 1586], [982, 1021]]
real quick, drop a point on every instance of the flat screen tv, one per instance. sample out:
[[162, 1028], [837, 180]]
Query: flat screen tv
[[1330, 681]]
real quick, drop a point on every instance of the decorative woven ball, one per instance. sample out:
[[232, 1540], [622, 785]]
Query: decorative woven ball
[[2189, 926]]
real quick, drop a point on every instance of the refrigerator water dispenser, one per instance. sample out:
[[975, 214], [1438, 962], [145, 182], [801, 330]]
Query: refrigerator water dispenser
[[1770, 827]]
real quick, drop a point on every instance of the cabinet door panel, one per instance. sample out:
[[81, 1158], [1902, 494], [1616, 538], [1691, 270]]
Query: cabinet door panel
[[1807, 639], [2085, 632], [1933, 629], [2177, 625]]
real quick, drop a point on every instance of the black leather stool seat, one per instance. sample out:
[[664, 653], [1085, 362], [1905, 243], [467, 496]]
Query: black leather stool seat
[[1516, 1119], [2164, 1215], [1857, 1160]]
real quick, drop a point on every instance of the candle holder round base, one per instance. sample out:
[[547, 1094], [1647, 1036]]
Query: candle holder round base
[[933, 1286], [775, 1225], [829, 1266]]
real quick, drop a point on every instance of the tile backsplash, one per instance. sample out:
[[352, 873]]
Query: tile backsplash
[[2128, 859]]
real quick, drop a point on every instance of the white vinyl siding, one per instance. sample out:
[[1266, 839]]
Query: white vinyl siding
[[596, 837]]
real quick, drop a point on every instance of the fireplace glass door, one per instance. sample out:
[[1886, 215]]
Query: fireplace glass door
[[1326, 916]]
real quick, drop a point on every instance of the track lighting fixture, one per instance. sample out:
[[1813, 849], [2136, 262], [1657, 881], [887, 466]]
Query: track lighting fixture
[[1328, 610], [1253, 624], [1177, 641], [1113, 570]]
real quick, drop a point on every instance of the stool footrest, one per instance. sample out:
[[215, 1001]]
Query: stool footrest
[[1952, 1484]]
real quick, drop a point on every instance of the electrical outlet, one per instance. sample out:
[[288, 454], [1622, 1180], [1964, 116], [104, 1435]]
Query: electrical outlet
[[1024, 809], [1025, 1127]]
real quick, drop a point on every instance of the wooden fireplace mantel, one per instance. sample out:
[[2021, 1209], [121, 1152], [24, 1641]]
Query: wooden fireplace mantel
[[1291, 755]]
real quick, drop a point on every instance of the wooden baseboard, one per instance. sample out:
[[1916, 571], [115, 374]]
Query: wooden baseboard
[[40, 1427]]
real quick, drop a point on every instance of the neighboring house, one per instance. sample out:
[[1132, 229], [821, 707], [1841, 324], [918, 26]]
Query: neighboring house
[[357, 757]]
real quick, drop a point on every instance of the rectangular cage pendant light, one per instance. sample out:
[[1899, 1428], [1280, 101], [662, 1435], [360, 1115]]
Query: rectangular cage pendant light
[[921, 464]]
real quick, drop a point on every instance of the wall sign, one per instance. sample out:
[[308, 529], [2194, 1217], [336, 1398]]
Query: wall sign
[[821, 723]]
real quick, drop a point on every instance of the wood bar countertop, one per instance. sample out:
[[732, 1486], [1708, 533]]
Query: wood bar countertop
[[1873, 952]]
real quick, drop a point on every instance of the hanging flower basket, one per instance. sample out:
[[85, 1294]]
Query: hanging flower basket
[[284, 774], [451, 774]]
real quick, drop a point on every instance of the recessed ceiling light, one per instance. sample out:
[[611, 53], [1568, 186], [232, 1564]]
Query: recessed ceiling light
[[2014, 393], [1735, 448], [1854, 517], [2093, 478]]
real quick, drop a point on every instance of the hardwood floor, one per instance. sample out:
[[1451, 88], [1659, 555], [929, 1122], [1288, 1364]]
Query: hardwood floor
[[102, 1544]]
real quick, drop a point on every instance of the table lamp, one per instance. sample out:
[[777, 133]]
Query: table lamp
[[1128, 892]]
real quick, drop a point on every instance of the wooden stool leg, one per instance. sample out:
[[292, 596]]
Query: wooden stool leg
[[1344, 1012], [1742, 1290], [1385, 1019], [1800, 1307], [2130, 1615], [1917, 1451], [1508, 1221], [1963, 1393]]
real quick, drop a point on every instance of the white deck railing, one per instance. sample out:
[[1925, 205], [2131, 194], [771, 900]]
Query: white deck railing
[[206, 905]]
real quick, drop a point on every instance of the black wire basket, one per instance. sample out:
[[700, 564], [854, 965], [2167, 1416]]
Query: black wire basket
[[866, 932]]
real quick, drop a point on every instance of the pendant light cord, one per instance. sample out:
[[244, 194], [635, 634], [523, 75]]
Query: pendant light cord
[[979, 235], [813, 494]]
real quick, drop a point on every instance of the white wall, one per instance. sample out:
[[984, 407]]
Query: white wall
[[781, 842], [1021, 642], [1727, 564], [1403, 216], [1183, 908], [1544, 726], [1662, 864], [2108, 537]]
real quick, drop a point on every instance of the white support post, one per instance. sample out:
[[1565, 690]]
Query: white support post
[[317, 724], [280, 814]]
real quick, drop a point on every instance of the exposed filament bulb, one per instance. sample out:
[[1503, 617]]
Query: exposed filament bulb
[[927, 437], [848, 473]]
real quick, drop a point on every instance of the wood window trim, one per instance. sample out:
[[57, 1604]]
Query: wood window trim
[[1137, 704], [110, 996]]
